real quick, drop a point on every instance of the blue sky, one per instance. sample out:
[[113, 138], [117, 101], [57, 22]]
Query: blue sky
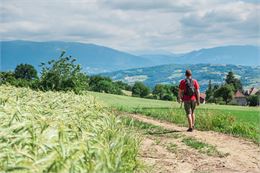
[[133, 25]]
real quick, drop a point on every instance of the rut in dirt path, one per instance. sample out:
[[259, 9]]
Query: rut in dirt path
[[244, 156], [167, 154]]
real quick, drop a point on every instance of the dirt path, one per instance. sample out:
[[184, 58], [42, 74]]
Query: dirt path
[[240, 155]]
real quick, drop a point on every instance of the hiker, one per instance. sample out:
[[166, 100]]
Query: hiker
[[189, 94]]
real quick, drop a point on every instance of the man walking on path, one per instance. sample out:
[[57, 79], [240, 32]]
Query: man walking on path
[[189, 94]]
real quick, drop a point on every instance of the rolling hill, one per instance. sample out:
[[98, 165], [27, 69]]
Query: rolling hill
[[238, 55], [98, 59], [173, 73], [93, 58]]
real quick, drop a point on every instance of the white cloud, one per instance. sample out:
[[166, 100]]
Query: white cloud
[[165, 5], [131, 25]]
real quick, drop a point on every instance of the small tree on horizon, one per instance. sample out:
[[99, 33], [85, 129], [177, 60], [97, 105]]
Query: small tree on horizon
[[232, 80], [104, 84], [165, 92], [209, 92], [140, 90], [175, 90], [63, 75], [226, 92], [25, 71]]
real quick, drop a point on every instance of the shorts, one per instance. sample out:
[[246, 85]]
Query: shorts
[[189, 106]]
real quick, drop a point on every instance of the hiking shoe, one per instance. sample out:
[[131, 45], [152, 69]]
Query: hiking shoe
[[189, 130]]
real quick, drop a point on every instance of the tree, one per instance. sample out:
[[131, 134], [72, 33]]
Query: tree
[[215, 87], [253, 100], [104, 84], [140, 90], [25, 71], [231, 79], [175, 90], [7, 77], [123, 86], [63, 74], [159, 91], [108, 87], [226, 92], [95, 80], [209, 92], [164, 92]]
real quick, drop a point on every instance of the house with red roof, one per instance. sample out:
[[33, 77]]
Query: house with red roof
[[202, 98], [251, 91], [239, 99]]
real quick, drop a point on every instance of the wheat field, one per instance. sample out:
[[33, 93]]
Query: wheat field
[[61, 132]]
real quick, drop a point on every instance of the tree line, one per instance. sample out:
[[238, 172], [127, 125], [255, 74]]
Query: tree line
[[223, 94], [64, 74]]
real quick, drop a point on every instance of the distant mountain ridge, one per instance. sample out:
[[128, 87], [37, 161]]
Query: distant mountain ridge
[[92, 57], [235, 54], [160, 59], [173, 73], [99, 59]]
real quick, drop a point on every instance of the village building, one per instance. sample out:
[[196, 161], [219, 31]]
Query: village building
[[202, 98], [239, 99], [251, 91]]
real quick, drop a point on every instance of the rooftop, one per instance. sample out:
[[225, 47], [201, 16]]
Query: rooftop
[[239, 94]]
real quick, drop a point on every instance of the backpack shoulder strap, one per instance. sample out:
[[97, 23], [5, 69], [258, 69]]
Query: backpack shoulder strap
[[192, 81], [189, 81]]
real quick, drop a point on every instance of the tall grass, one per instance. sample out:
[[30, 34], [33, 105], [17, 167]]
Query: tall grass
[[236, 120], [61, 132], [206, 119]]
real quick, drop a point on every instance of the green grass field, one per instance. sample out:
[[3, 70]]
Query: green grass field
[[129, 102], [242, 113], [236, 120]]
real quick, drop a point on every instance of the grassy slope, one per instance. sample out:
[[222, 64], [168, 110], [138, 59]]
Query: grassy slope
[[246, 114], [129, 102]]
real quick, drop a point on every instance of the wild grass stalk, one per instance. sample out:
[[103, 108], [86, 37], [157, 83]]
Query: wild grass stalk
[[61, 132]]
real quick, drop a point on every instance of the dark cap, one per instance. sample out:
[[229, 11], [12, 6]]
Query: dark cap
[[188, 73]]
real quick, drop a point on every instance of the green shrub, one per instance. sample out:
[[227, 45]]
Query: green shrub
[[254, 100], [140, 90], [104, 84], [63, 75], [245, 130], [165, 92], [7, 77], [123, 86]]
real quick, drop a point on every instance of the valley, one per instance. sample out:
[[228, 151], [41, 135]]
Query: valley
[[173, 73]]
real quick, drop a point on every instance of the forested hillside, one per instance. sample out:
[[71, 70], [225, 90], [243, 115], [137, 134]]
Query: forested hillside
[[172, 74]]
